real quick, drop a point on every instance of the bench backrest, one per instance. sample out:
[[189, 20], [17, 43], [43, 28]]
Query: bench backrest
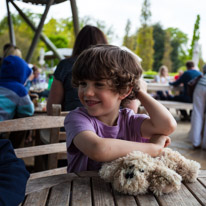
[[37, 123]]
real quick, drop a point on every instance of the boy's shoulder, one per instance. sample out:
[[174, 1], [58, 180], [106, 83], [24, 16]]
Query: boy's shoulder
[[77, 114]]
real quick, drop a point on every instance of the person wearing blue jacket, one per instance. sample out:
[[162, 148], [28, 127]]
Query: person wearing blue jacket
[[13, 176], [188, 75], [15, 101], [14, 98]]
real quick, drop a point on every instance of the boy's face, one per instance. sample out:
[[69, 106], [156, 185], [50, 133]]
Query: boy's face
[[99, 99]]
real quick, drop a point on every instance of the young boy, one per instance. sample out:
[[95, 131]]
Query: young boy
[[107, 76]]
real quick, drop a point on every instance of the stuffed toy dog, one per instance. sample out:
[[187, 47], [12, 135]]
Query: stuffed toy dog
[[138, 173]]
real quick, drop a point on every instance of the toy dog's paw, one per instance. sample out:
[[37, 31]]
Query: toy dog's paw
[[164, 180], [190, 171]]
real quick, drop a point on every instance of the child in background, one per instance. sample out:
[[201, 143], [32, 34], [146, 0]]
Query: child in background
[[163, 78], [99, 132]]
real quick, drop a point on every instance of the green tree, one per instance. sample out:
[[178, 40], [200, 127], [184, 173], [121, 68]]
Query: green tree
[[158, 37], [23, 33], [126, 39], [130, 41], [179, 53], [145, 40], [196, 35], [167, 52], [145, 45], [145, 13]]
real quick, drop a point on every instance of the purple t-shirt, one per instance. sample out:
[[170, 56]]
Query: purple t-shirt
[[78, 120]]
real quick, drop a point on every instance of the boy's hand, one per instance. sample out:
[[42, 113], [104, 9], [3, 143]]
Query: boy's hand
[[161, 140], [142, 85]]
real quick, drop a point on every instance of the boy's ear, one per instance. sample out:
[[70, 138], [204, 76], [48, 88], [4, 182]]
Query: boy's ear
[[124, 95]]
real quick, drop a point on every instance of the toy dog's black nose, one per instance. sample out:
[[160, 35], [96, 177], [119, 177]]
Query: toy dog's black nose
[[129, 175]]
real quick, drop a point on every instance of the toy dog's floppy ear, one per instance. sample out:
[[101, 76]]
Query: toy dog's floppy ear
[[109, 169], [164, 180]]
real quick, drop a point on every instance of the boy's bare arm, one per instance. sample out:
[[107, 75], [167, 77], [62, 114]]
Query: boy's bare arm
[[107, 149], [161, 120]]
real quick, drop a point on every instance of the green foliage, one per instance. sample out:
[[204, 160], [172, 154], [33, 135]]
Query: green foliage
[[167, 51], [158, 36], [130, 41], [150, 72], [59, 41], [145, 49], [23, 35], [145, 42], [196, 35], [145, 13], [178, 41], [127, 40]]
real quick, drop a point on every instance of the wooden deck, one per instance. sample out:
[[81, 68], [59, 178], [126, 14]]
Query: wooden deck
[[86, 188]]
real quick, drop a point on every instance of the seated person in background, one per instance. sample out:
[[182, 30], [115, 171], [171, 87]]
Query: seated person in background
[[33, 78], [188, 75], [12, 50], [197, 133], [176, 77], [13, 176], [100, 131], [37, 81], [163, 78], [14, 99]]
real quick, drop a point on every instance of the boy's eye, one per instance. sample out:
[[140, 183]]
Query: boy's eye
[[99, 84], [82, 83]]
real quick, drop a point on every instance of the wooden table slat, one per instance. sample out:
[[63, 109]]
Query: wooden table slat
[[147, 200], [101, 192], [45, 182], [37, 198], [202, 180], [81, 192], [60, 194], [202, 173], [181, 198], [122, 199], [198, 190]]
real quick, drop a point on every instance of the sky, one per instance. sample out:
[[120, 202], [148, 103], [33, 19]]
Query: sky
[[179, 14]]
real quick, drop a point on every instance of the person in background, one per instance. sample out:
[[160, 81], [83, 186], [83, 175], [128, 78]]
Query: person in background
[[100, 131], [197, 133], [5, 47], [176, 77], [62, 91], [188, 75], [163, 78], [13, 176], [10, 49], [14, 99]]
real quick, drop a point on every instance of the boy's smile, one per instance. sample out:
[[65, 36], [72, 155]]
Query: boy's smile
[[99, 100], [91, 103]]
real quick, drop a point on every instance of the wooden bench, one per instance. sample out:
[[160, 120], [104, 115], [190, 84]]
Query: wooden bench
[[37, 123], [43, 150]]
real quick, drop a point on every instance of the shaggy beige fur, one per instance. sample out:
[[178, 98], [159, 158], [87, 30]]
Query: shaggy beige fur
[[137, 173]]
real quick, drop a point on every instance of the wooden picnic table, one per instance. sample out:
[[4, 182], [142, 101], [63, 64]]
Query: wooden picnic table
[[161, 87], [86, 188]]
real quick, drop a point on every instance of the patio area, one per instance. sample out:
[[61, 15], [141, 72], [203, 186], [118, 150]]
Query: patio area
[[181, 143]]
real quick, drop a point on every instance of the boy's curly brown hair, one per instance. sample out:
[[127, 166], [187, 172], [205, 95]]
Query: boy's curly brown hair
[[112, 63]]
